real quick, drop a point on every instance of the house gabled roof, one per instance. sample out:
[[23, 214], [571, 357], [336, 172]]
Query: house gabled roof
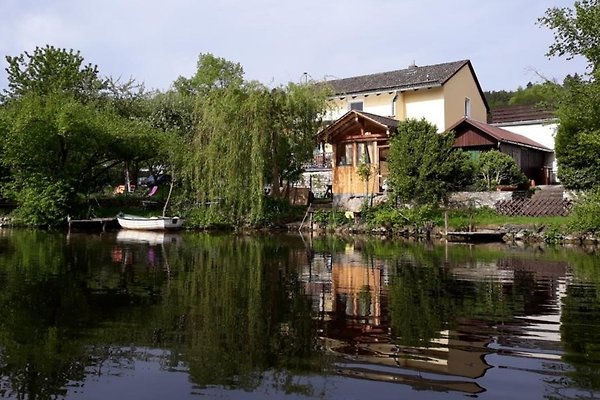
[[500, 135], [409, 78], [351, 118]]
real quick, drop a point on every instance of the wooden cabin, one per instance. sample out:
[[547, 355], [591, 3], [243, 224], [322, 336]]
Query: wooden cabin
[[359, 138], [534, 159]]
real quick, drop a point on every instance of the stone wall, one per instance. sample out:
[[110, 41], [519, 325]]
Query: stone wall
[[478, 199], [458, 200]]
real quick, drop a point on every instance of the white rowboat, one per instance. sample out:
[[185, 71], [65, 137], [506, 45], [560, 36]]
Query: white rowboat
[[149, 223]]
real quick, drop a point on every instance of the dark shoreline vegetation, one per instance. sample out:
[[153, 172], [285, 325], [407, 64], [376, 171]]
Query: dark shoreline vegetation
[[381, 222]]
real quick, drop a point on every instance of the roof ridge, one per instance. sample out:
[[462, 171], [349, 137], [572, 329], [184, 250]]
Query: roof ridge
[[411, 77], [462, 62]]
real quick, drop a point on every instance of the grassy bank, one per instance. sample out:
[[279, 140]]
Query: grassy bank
[[460, 220]]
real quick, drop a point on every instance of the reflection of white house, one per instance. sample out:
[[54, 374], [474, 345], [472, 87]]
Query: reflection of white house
[[534, 123]]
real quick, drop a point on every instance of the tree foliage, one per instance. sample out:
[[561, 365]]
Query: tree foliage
[[496, 168], [576, 31], [424, 167], [212, 73], [498, 98], [545, 94], [578, 136], [64, 129], [55, 147], [49, 69], [245, 136]]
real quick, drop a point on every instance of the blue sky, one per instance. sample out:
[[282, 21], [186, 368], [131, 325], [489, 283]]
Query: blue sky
[[276, 41]]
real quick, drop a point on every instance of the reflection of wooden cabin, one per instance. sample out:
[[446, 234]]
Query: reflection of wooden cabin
[[534, 159], [357, 291]]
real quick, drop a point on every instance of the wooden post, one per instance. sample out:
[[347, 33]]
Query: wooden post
[[446, 222]]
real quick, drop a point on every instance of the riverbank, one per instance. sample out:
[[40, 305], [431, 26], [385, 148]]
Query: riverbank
[[529, 233]]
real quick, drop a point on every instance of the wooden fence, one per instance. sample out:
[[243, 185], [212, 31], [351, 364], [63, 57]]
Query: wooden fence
[[534, 207]]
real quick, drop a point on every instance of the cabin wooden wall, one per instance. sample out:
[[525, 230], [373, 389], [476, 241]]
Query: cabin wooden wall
[[472, 138], [530, 161], [346, 179]]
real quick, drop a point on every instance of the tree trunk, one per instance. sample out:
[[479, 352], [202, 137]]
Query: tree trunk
[[275, 173]]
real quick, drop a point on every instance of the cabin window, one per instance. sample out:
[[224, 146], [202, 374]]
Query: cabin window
[[344, 154], [364, 153], [467, 107], [356, 105]]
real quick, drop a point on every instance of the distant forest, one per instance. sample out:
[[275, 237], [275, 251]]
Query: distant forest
[[544, 94]]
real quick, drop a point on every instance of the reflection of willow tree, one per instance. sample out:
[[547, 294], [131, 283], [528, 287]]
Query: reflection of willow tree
[[39, 315], [238, 310], [233, 310]]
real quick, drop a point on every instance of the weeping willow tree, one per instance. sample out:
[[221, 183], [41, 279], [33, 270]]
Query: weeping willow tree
[[245, 137]]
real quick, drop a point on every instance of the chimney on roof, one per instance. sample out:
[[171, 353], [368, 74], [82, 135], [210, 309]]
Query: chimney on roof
[[413, 65]]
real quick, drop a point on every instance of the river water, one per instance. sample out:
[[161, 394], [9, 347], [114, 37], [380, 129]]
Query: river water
[[157, 316]]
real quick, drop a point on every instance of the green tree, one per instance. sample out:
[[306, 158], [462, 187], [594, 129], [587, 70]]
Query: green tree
[[64, 129], [578, 136], [496, 168], [498, 98], [49, 69], [56, 148], [211, 73], [577, 33], [246, 135], [546, 94], [423, 165]]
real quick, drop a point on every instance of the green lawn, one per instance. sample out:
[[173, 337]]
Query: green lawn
[[487, 218]]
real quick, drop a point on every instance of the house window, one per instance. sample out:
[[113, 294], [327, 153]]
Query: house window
[[356, 105], [467, 107], [344, 154]]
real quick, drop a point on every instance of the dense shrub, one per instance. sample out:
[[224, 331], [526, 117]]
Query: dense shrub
[[587, 213], [390, 216], [495, 168], [41, 202], [331, 218], [424, 166]]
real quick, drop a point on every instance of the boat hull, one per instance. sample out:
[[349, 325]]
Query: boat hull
[[150, 223]]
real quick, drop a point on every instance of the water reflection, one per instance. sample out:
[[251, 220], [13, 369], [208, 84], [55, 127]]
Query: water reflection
[[425, 310], [93, 316]]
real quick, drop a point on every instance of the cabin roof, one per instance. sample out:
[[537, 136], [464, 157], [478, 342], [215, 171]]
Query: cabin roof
[[349, 121]]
